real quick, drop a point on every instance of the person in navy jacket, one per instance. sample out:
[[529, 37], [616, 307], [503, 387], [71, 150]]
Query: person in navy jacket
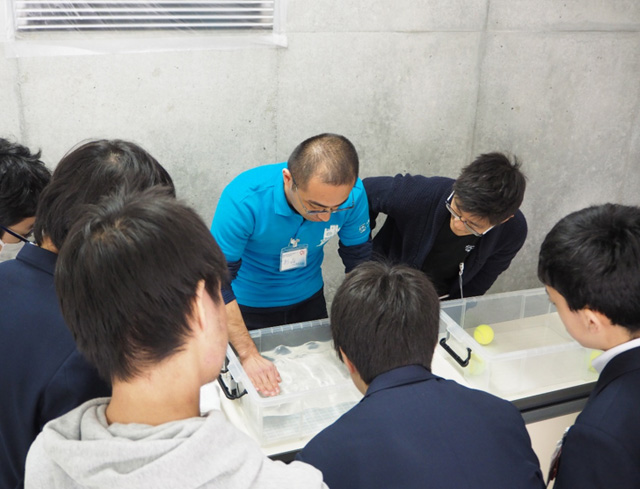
[[590, 264], [412, 429], [462, 233], [43, 374]]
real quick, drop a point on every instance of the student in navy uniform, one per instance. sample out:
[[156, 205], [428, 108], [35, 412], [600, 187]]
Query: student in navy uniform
[[272, 223], [22, 178], [43, 374], [462, 233], [412, 429], [590, 264]]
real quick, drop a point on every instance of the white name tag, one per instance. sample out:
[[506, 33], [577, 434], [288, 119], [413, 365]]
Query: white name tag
[[293, 257]]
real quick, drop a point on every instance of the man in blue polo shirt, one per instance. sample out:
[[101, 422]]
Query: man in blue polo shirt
[[272, 223]]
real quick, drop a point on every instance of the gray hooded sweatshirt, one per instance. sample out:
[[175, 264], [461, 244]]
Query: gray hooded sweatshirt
[[80, 450]]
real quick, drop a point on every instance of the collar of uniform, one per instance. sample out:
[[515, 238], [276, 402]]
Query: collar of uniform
[[280, 203], [409, 374], [622, 363], [601, 361], [38, 257]]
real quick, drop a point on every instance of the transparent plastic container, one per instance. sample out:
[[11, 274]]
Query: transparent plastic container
[[316, 387], [531, 350]]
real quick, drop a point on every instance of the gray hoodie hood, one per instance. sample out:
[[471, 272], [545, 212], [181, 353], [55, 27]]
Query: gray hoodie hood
[[80, 450]]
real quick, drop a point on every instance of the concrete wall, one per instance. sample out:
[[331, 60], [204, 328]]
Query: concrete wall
[[419, 86]]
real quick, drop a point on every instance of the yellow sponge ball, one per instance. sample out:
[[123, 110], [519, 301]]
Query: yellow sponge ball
[[483, 334], [592, 356]]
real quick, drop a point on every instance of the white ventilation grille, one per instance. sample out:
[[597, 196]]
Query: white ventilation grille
[[110, 15]]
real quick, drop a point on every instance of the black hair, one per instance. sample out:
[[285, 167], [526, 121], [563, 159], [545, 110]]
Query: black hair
[[592, 258], [87, 173], [385, 316], [491, 187], [330, 156], [127, 276], [22, 178]]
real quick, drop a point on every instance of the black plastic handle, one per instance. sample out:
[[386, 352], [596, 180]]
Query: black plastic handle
[[449, 350], [230, 393]]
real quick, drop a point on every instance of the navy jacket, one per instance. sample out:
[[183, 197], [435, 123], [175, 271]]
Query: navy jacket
[[42, 375], [602, 448], [413, 429], [415, 209]]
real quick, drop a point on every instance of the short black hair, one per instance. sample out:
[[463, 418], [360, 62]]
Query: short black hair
[[492, 186], [592, 258], [330, 156], [127, 276], [22, 179], [385, 316], [87, 173]]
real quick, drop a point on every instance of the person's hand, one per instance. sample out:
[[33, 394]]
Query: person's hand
[[262, 373]]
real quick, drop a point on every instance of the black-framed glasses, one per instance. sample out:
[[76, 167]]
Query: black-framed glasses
[[460, 218], [313, 212], [16, 235]]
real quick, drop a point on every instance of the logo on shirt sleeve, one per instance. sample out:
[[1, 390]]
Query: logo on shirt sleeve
[[329, 233], [363, 227]]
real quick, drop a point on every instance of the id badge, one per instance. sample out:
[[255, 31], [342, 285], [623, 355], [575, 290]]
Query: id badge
[[293, 257]]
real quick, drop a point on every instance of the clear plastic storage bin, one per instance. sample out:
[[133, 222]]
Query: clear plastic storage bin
[[316, 387], [530, 351]]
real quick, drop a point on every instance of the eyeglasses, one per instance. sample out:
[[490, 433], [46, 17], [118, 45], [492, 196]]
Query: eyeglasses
[[463, 221], [16, 235], [323, 211]]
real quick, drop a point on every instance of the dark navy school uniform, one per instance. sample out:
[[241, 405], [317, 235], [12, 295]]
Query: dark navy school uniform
[[413, 429], [602, 448], [42, 375]]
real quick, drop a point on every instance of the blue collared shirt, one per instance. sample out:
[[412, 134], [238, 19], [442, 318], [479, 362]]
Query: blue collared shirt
[[254, 222]]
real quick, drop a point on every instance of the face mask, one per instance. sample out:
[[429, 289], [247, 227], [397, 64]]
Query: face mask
[[9, 250]]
